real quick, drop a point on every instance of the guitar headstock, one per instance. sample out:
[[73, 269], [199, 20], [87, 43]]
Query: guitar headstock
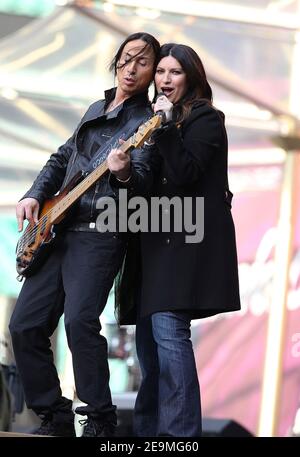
[[145, 131]]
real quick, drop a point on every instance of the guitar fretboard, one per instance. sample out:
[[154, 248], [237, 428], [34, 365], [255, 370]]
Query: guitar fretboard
[[63, 205]]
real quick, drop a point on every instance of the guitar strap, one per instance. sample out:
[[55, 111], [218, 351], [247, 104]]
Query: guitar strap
[[124, 133]]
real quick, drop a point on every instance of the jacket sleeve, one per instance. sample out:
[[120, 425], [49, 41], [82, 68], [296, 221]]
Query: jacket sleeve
[[187, 154], [51, 177], [145, 163]]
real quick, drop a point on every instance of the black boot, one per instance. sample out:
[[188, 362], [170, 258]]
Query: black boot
[[57, 420], [56, 425], [97, 427]]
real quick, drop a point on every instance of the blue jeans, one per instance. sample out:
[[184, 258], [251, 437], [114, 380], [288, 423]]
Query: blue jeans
[[168, 401]]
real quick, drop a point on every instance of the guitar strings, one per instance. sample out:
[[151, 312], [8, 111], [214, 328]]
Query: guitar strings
[[33, 230], [31, 233]]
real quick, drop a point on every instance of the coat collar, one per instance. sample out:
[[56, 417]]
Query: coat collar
[[97, 109], [136, 100]]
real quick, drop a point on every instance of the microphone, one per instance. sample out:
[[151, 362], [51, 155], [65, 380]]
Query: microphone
[[160, 94]]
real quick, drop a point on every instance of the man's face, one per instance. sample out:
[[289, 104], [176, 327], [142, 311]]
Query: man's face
[[136, 75]]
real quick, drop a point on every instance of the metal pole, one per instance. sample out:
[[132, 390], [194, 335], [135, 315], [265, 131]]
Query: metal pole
[[273, 366], [272, 375]]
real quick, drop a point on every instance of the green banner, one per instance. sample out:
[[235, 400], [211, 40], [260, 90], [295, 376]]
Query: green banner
[[9, 286], [27, 7]]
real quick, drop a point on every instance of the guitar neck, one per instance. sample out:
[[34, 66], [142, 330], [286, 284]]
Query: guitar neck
[[65, 203]]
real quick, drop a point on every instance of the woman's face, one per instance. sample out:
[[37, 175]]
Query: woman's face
[[171, 79]]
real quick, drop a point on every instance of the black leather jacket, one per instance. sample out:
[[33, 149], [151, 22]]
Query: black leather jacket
[[76, 153]]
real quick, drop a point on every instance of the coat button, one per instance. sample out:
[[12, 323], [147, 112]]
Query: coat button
[[168, 241], [164, 180]]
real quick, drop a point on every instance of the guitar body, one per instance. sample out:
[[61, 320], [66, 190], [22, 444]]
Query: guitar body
[[37, 241]]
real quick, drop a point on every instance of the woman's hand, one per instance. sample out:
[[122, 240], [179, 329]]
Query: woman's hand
[[163, 104]]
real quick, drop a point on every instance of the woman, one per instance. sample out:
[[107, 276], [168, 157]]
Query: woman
[[183, 278]]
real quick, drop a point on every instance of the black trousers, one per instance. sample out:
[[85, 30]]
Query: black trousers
[[75, 280]]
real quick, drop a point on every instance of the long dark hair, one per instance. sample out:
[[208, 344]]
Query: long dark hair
[[150, 42], [198, 87]]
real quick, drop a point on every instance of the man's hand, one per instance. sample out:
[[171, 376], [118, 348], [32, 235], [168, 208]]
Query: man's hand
[[119, 163], [28, 208]]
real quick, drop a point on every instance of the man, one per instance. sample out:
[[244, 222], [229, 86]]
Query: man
[[78, 275]]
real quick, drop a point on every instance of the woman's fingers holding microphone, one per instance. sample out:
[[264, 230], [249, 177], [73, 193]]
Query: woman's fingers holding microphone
[[162, 104]]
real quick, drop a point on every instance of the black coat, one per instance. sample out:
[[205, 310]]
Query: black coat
[[175, 275]]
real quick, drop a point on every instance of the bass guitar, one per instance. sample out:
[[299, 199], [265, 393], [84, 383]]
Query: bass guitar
[[34, 244]]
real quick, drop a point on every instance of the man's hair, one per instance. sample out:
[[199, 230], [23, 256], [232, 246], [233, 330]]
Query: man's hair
[[150, 42]]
